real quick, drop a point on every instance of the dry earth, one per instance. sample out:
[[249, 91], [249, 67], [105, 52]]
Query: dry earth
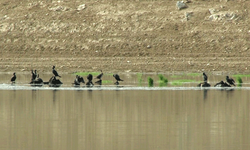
[[125, 36]]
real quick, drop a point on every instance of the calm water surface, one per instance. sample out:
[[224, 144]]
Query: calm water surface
[[116, 119]]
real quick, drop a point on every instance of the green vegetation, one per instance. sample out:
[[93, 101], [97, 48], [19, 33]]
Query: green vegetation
[[106, 81], [87, 73], [241, 75], [139, 77], [150, 82], [180, 82], [194, 74], [176, 76], [239, 80], [163, 81]]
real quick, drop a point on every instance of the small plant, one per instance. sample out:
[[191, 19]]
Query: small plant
[[150, 82], [163, 81], [239, 80], [139, 77]]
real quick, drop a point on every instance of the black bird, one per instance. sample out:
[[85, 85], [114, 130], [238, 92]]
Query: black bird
[[100, 75], [204, 77], [222, 84], [33, 76], [99, 82], [39, 80], [230, 80], [55, 72], [13, 78], [117, 77], [204, 84], [78, 80], [90, 77]]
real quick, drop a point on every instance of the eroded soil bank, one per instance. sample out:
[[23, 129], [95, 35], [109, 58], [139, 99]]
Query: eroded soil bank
[[127, 36]]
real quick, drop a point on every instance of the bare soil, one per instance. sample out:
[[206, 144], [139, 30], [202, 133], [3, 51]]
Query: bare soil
[[125, 36]]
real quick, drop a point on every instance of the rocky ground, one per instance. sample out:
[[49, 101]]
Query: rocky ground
[[125, 36]]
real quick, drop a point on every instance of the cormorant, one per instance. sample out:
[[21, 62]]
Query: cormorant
[[39, 80], [117, 77], [55, 72], [33, 75], [78, 80], [204, 77], [204, 84], [99, 82], [222, 84], [230, 80], [100, 75], [13, 78], [90, 77]]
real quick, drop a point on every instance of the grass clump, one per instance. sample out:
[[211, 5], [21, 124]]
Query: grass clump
[[139, 77], [150, 82], [162, 80], [239, 80], [180, 82]]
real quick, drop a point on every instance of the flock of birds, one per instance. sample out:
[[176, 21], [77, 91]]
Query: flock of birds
[[228, 83], [36, 80]]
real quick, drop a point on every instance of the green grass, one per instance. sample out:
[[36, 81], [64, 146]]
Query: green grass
[[241, 75], [239, 80], [176, 76], [139, 77], [106, 81], [150, 82], [180, 82], [194, 74], [87, 73], [162, 80]]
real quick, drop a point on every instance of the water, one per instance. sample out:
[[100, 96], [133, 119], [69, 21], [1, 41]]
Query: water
[[126, 117]]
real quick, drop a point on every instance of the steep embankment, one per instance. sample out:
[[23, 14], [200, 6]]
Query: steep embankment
[[124, 36]]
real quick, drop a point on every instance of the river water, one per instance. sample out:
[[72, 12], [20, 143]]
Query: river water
[[131, 116]]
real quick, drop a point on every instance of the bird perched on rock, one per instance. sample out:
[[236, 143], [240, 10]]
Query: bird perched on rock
[[204, 77], [99, 82], [117, 77], [55, 72], [230, 80], [13, 78], [90, 78], [33, 75], [100, 75], [78, 80]]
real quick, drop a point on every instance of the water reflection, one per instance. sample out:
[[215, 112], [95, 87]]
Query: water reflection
[[205, 94], [110, 119]]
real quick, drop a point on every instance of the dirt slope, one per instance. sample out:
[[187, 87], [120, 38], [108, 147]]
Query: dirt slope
[[125, 36]]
